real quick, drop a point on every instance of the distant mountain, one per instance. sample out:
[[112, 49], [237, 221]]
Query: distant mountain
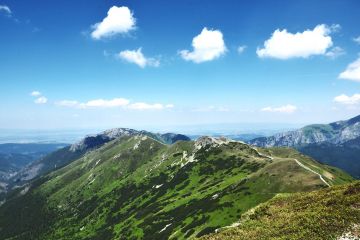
[[239, 137], [15, 156], [137, 187], [335, 144], [66, 155]]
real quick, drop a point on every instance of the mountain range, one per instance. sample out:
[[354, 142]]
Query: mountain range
[[336, 144], [127, 184]]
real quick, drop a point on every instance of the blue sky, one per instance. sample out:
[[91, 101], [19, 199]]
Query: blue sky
[[76, 64]]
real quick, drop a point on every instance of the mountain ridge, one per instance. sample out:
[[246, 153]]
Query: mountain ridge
[[336, 143], [335, 133], [66, 155], [137, 187]]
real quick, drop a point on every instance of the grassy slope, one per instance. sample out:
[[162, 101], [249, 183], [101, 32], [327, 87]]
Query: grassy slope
[[140, 188], [325, 214]]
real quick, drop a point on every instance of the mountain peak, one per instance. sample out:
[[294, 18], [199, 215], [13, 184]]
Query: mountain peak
[[96, 140], [92, 141]]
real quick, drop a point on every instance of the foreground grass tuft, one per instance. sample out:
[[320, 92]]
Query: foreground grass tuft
[[324, 214]]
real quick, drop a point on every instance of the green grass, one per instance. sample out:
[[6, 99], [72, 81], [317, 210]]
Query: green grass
[[325, 214], [134, 187]]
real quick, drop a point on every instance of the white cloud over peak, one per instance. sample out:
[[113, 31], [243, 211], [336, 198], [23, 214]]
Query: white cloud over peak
[[5, 9], [113, 103], [119, 20], [348, 100], [35, 93], [137, 57], [352, 71], [282, 109], [147, 106], [41, 100], [207, 46], [284, 45]]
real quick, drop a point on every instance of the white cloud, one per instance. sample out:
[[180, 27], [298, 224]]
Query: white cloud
[[207, 46], [35, 93], [41, 100], [335, 52], [348, 100], [357, 40], [137, 57], [116, 102], [241, 49], [119, 20], [147, 106], [335, 28], [5, 9], [352, 71], [97, 103], [285, 45], [282, 109]]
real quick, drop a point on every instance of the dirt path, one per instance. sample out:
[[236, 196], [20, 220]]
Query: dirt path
[[309, 169], [301, 165]]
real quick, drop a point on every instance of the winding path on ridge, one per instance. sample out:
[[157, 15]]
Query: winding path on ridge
[[301, 165], [309, 169]]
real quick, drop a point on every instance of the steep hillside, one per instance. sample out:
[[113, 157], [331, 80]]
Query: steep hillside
[[336, 144], [333, 213], [136, 187], [66, 155]]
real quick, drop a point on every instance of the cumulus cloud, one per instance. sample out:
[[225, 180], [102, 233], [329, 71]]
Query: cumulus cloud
[[41, 100], [147, 106], [284, 45], [113, 103], [5, 9], [357, 40], [119, 20], [282, 109], [35, 93], [137, 57], [348, 100], [97, 103], [207, 46], [335, 52], [352, 71], [241, 49]]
